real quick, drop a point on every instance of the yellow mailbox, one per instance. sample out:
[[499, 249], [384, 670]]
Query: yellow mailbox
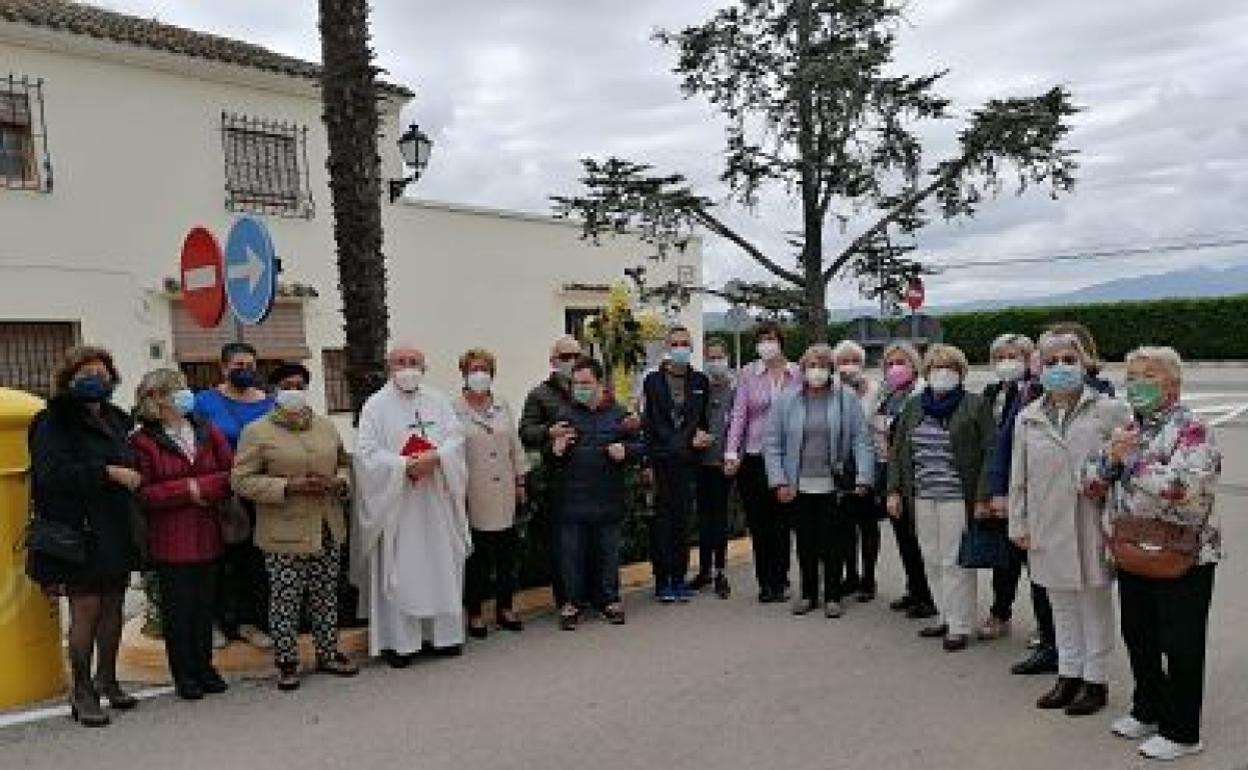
[[31, 661]]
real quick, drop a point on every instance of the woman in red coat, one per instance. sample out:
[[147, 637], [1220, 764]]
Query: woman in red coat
[[185, 467]]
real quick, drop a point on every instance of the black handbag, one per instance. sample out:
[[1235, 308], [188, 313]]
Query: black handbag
[[983, 546], [56, 540]]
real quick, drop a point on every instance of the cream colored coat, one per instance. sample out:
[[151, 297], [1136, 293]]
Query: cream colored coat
[[1046, 500], [496, 462]]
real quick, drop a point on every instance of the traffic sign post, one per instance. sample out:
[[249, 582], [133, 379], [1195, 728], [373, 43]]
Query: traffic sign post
[[915, 296], [250, 271], [203, 282]]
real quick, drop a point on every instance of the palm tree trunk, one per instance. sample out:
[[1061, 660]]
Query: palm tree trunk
[[349, 92]]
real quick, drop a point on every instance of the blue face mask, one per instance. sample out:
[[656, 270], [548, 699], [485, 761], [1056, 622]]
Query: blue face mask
[[680, 355], [242, 378], [91, 389], [1062, 378], [184, 401]]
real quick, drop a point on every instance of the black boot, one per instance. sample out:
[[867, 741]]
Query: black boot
[[84, 701], [1092, 698], [1062, 695]]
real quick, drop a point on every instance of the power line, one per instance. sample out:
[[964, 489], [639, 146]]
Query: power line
[[1095, 255]]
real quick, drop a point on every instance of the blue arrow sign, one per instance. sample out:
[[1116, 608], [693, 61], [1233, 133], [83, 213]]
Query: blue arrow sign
[[250, 270]]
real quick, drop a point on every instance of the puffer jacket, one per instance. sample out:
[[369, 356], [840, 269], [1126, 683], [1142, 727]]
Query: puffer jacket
[[587, 485]]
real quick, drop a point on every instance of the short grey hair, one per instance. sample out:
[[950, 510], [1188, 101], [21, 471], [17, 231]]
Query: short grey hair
[[907, 350], [819, 350], [1168, 357], [155, 383], [1010, 340], [849, 346], [1051, 341]]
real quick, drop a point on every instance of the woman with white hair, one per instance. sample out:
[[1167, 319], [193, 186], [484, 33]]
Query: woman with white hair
[[901, 365], [1164, 469], [850, 360], [1054, 518], [817, 448], [942, 445]]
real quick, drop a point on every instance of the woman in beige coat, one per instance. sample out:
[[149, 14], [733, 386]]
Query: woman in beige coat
[[293, 466], [496, 470], [1060, 526]]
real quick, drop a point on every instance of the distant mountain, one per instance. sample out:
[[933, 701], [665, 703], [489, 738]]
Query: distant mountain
[[1192, 282]]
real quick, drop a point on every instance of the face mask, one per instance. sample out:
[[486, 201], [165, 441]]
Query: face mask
[[1062, 378], [409, 379], [944, 380], [564, 368], [1144, 396], [899, 375], [680, 355], [291, 400], [242, 378], [851, 373], [184, 401], [768, 350], [1010, 370], [479, 382], [584, 394], [817, 376], [717, 367], [91, 389]]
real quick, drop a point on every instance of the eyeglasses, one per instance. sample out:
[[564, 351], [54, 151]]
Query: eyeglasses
[[567, 356]]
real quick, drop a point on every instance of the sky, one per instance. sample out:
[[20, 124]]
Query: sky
[[514, 92]]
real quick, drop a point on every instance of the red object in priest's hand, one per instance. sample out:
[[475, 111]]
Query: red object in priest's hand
[[417, 444]]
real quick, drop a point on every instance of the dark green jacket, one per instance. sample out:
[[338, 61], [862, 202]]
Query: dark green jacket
[[973, 434]]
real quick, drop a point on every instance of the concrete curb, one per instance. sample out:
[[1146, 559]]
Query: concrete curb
[[142, 659]]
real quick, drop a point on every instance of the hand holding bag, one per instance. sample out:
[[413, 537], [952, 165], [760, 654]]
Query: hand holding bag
[[984, 545]]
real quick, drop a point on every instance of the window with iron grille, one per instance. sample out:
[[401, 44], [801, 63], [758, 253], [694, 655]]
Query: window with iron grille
[[337, 394], [31, 350], [24, 161], [266, 167]]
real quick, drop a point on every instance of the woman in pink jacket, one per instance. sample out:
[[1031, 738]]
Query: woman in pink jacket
[[757, 386]]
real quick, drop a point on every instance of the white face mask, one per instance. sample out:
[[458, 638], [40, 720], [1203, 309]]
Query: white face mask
[[479, 382], [1010, 369], [564, 368], [817, 376], [944, 380], [768, 350], [717, 367], [409, 379], [291, 400]]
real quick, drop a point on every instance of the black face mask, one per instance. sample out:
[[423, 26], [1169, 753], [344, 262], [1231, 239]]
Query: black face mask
[[242, 378]]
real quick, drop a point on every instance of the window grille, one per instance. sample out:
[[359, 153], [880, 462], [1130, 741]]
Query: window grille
[[266, 167], [30, 351], [337, 393], [24, 160]]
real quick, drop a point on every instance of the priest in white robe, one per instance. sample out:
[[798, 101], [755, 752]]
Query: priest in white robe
[[411, 537]]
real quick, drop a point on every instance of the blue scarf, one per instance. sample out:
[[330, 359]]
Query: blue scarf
[[940, 407]]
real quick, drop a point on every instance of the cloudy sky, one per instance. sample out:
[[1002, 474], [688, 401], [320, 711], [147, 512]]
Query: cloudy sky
[[515, 91]]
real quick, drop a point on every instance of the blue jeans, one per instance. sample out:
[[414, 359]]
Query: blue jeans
[[589, 561]]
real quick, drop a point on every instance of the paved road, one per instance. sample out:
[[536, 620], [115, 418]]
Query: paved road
[[716, 684]]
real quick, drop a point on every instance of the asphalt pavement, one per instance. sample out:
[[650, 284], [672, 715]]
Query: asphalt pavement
[[714, 685]]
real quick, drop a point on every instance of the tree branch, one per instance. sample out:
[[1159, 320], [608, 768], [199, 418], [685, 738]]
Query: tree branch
[[709, 221]]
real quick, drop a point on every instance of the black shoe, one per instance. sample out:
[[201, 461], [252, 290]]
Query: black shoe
[[477, 629], [189, 690], [453, 651], [902, 604], [397, 660], [117, 698], [288, 677], [1064, 692], [1040, 661], [934, 632], [955, 643], [722, 589], [212, 683], [1091, 699], [512, 624], [921, 611], [699, 582], [765, 596]]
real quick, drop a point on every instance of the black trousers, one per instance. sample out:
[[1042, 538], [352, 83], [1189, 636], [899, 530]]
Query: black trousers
[[491, 569], [823, 534], [588, 557], [911, 555], [675, 489], [1043, 610], [1167, 618], [862, 541], [768, 522], [713, 490], [186, 602], [1005, 580]]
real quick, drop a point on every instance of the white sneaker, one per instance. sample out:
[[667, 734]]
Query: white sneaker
[[1167, 750], [255, 637], [219, 642], [1133, 729]]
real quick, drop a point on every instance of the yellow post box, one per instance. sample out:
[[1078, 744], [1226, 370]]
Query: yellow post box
[[31, 661]]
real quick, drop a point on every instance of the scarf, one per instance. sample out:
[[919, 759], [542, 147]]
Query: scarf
[[296, 421], [940, 407]]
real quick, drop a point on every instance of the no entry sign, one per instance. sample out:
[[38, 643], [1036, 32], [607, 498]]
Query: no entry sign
[[915, 293], [203, 284]]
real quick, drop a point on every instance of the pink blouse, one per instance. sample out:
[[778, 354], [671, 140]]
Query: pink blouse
[[755, 391]]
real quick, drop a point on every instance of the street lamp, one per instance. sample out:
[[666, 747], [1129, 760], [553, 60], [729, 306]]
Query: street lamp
[[415, 147]]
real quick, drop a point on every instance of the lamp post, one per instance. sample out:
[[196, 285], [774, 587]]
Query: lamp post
[[415, 147]]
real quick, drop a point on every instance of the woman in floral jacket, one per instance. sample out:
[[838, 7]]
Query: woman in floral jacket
[[1166, 467]]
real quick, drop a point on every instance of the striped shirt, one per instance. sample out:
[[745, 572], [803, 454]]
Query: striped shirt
[[935, 476]]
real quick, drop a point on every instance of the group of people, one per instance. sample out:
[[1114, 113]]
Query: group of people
[[245, 504]]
